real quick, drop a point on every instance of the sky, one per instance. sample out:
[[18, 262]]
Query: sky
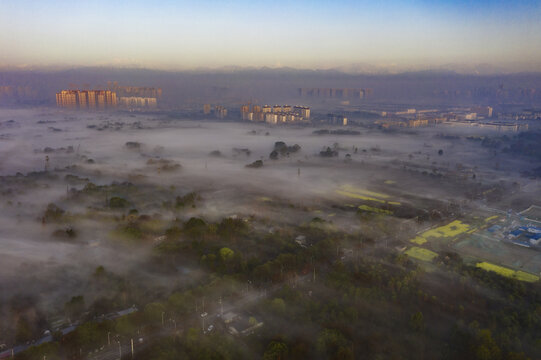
[[311, 34]]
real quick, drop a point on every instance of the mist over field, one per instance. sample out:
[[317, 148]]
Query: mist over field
[[147, 199], [274, 180]]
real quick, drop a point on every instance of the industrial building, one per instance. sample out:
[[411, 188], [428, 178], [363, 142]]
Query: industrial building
[[528, 236]]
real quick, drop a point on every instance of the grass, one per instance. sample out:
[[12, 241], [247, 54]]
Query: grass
[[362, 194], [421, 254], [450, 230], [357, 196], [516, 274], [353, 189], [374, 210]]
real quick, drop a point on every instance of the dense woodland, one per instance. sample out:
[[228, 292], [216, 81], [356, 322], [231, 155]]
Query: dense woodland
[[375, 303]]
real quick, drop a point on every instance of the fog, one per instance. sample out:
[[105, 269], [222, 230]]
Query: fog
[[280, 85], [51, 157]]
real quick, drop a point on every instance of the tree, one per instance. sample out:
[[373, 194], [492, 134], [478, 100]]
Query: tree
[[417, 322], [181, 302], [195, 227], [278, 306], [332, 344], [23, 332], [117, 202], [153, 312], [226, 254], [230, 228], [53, 213], [75, 307], [486, 348], [276, 350]]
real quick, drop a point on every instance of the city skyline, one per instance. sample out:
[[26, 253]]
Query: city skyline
[[354, 36]]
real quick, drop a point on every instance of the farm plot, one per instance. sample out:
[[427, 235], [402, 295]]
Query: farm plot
[[449, 231]]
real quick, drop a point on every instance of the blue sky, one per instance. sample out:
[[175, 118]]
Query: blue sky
[[168, 34]]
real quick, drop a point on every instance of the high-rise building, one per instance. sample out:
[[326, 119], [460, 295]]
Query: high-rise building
[[67, 99], [220, 112], [206, 109], [86, 99], [303, 111], [271, 118], [138, 101]]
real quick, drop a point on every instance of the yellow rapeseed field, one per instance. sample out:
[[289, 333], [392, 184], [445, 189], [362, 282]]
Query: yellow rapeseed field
[[450, 230], [519, 275], [421, 254]]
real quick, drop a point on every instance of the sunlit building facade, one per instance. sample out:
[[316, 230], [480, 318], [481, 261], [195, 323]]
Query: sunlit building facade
[[86, 99]]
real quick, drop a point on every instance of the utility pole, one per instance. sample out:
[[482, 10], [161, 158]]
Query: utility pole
[[109, 338], [119, 350], [163, 313], [203, 315], [314, 267], [221, 307], [132, 348]]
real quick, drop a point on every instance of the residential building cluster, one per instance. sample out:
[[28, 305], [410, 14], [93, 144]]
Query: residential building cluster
[[276, 114], [485, 111], [220, 111], [86, 99], [134, 91], [138, 102], [411, 123], [477, 116], [16, 91], [341, 93], [499, 126], [334, 119], [135, 96]]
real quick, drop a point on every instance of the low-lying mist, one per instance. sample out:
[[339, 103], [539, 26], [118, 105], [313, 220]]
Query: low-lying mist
[[101, 173]]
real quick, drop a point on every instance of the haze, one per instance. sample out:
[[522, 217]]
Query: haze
[[357, 35], [274, 180]]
